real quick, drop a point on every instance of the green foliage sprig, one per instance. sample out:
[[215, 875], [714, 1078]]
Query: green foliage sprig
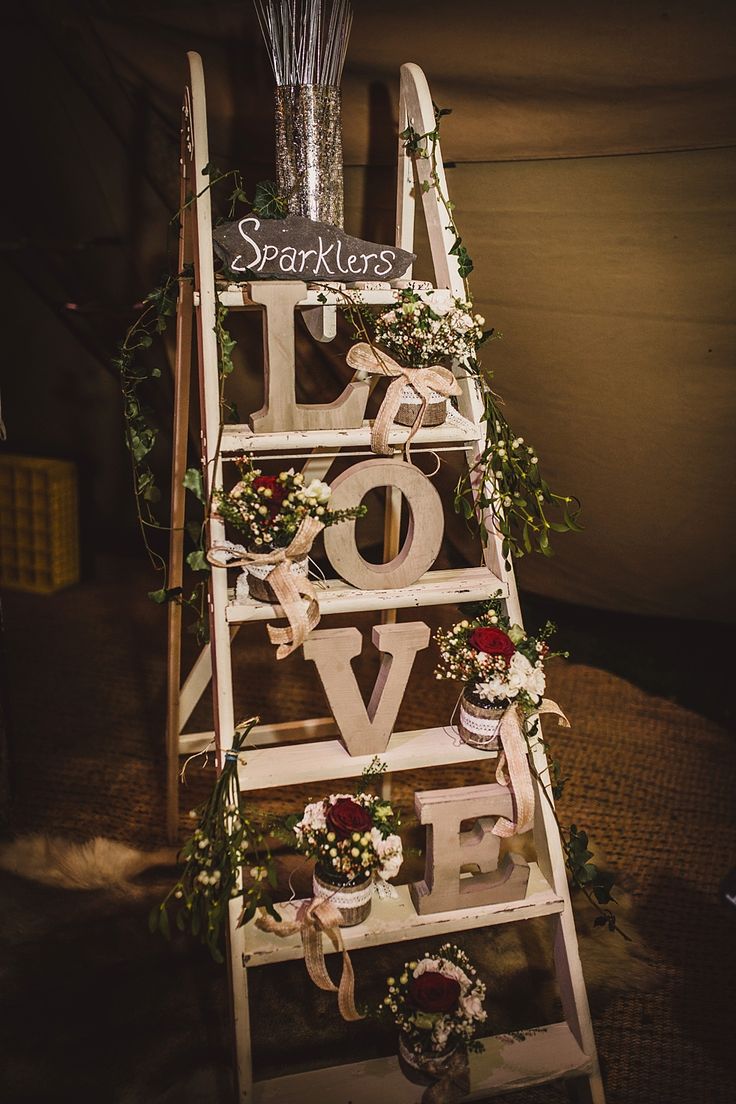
[[224, 840]]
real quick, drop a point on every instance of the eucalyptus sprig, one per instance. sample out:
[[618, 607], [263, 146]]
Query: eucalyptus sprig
[[224, 840]]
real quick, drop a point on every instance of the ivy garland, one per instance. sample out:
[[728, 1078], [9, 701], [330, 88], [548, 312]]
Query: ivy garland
[[509, 484], [141, 431]]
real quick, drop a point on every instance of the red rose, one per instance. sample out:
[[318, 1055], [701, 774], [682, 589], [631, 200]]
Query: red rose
[[272, 484], [347, 816], [492, 641], [434, 992]]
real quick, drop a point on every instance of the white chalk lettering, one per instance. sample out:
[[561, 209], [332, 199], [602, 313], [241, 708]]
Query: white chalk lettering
[[288, 254], [256, 251], [352, 258], [322, 257], [387, 256], [304, 253], [366, 258], [270, 253]]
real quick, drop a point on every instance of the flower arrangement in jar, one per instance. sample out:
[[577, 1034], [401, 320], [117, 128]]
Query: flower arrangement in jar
[[354, 839], [428, 331], [501, 666], [437, 1004], [270, 512]]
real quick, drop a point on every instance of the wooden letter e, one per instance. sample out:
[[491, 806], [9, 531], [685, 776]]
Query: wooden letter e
[[366, 731], [450, 850]]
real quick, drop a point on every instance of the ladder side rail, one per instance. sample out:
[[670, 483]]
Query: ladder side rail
[[416, 109], [182, 387], [209, 387], [210, 429]]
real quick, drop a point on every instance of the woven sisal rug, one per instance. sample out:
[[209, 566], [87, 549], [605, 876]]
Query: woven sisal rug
[[124, 1018]]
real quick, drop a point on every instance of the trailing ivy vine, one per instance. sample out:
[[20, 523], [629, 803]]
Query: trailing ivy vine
[[505, 483], [141, 429]]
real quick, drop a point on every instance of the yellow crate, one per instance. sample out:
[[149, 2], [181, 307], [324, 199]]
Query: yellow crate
[[39, 527]]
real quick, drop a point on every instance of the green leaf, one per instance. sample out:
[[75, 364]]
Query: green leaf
[[193, 482], [268, 201], [153, 919], [165, 594], [198, 561]]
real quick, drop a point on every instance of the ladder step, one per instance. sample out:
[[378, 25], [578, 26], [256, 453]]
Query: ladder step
[[456, 431], [235, 296], [297, 764], [508, 1062], [436, 588], [395, 920]]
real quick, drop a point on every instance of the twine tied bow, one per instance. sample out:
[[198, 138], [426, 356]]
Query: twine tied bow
[[313, 918], [519, 778], [365, 358], [290, 589]]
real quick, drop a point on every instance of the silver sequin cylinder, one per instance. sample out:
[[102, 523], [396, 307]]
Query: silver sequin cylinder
[[309, 151]]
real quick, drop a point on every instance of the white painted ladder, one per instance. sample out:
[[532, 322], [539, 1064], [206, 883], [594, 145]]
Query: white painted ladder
[[560, 1050]]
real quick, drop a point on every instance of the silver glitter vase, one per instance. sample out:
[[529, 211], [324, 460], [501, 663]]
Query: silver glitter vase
[[309, 151]]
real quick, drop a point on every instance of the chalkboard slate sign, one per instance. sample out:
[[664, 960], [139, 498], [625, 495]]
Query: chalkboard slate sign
[[297, 248]]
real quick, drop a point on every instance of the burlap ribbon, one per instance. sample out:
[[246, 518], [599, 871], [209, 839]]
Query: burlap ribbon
[[365, 358], [519, 778], [313, 918], [290, 589]]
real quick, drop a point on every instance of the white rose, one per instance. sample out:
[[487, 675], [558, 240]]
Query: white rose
[[523, 676], [472, 1007], [390, 853], [318, 491], [431, 964], [313, 819], [495, 689]]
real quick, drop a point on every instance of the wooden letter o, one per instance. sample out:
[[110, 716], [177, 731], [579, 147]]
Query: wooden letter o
[[424, 534]]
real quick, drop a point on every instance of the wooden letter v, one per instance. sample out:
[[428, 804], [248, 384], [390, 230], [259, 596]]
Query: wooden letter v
[[366, 731]]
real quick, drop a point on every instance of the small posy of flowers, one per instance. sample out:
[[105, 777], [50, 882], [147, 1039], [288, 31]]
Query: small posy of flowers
[[499, 662], [436, 1001], [419, 332], [352, 836], [268, 509]]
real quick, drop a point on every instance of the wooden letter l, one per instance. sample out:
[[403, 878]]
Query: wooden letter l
[[366, 731]]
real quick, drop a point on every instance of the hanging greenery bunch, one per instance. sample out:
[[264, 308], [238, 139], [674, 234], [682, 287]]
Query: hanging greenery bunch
[[506, 483], [224, 841]]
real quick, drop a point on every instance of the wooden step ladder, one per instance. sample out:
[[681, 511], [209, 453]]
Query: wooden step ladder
[[558, 1050]]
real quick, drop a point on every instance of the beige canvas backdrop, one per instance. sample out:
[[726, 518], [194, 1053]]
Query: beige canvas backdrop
[[592, 163]]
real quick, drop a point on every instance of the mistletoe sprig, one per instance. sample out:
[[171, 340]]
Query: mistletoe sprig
[[505, 483], [225, 839]]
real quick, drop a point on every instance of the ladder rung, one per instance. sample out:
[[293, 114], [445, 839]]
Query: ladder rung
[[236, 296], [436, 588], [508, 1062], [294, 764], [395, 920], [241, 438]]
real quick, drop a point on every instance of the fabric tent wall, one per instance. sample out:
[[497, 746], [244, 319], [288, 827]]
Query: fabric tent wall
[[594, 164]]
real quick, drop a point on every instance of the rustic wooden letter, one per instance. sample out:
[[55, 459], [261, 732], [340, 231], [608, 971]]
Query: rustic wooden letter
[[280, 410], [366, 731], [449, 850], [424, 534]]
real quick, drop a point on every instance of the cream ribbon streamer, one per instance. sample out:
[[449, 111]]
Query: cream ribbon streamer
[[313, 918], [364, 358], [289, 589], [519, 779]]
